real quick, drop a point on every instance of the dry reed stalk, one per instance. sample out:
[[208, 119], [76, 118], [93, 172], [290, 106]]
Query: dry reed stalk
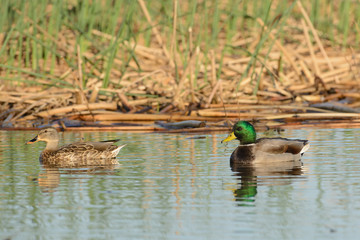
[[116, 128], [284, 50], [329, 125], [334, 97], [351, 95], [173, 37], [213, 92], [150, 53], [213, 68], [66, 73], [101, 34], [146, 75], [144, 117], [311, 48], [22, 94], [146, 129], [310, 98], [82, 97], [282, 90], [330, 75], [243, 60], [314, 116], [82, 107], [214, 114], [155, 31], [268, 94], [148, 101], [167, 108], [306, 71], [30, 98], [11, 99], [337, 60], [124, 101], [314, 32], [26, 110], [342, 78], [79, 62], [191, 68], [87, 112], [150, 56], [231, 71], [94, 94], [233, 107], [197, 130], [241, 42], [58, 43], [177, 96]]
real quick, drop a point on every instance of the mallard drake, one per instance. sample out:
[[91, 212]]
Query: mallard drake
[[263, 150], [75, 154]]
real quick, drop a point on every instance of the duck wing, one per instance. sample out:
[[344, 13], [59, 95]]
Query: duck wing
[[282, 145], [80, 147], [104, 145]]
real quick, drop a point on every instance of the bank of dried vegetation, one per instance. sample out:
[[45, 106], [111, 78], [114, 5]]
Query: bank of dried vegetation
[[141, 63]]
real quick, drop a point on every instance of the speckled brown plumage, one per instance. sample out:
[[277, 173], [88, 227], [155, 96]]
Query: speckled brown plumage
[[77, 154]]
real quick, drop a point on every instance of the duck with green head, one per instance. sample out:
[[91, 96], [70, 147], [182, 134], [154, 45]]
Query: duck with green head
[[264, 150]]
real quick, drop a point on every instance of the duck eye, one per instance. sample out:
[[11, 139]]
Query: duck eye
[[239, 128]]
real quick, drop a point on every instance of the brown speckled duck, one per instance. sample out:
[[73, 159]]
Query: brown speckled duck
[[264, 150], [79, 154]]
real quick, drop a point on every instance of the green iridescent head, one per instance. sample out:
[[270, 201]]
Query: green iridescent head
[[242, 131]]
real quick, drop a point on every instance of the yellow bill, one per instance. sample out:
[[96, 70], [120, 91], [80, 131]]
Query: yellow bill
[[229, 138]]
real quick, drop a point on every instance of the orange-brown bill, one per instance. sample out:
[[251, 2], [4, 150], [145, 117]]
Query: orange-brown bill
[[35, 139]]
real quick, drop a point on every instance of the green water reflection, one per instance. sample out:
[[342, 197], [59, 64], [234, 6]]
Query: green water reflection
[[172, 186]]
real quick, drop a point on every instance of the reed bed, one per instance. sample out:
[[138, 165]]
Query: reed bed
[[126, 64]]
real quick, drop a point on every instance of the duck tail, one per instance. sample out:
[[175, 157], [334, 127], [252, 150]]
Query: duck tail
[[305, 148], [117, 150]]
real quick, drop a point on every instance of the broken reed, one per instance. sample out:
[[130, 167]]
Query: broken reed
[[39, 37]]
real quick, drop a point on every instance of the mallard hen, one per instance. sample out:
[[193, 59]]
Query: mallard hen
[[76, 154]]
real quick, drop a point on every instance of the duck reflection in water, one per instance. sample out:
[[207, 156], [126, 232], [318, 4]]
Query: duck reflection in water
[[274, 158], [250, 176], [49, 178]]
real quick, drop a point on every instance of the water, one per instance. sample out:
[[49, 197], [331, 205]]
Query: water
[[172, 186]]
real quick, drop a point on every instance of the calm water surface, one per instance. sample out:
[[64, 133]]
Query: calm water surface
[[172, 186]]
